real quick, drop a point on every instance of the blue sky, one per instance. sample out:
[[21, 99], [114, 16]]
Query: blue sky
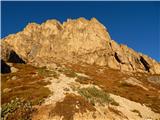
[[136, 24]]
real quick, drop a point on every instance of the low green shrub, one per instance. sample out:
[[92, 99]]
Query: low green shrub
[[68, 72], [43, 71], [94, 95], [17, 109]]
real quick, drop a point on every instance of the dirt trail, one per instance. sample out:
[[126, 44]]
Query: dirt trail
[[58, 87]]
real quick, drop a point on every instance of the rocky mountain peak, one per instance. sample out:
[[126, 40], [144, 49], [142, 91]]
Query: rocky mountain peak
[[76, 41]]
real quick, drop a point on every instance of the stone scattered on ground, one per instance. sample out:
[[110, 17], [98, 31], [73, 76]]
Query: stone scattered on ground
[[13, 69], [6, 90], [14, 78]]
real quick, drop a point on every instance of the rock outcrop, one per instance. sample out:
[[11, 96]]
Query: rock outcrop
[[76, 41]]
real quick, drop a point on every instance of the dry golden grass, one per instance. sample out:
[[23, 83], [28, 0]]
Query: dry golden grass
[[27, 84]]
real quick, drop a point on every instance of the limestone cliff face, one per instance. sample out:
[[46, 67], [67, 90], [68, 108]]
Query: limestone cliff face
[[76, 41]]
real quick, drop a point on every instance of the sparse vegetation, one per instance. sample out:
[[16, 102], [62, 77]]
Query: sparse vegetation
[[83, 80], [29, 85], [110, 79], [114, 103], [136, 111], [17, 109], [115, 111], [94, 95], [27, 92], [38, 101], [43, 71], [68, 72]]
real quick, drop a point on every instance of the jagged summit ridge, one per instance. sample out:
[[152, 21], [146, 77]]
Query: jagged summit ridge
[[76, 41]]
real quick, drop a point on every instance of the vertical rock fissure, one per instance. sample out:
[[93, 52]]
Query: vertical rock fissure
[[117, 58], [145, 63]]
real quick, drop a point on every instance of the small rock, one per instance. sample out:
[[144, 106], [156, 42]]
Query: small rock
[[14, 78], [34, 75], [77, 107], [10, 64], [51, 66], [66, 89], [6, 90], [13, 69]]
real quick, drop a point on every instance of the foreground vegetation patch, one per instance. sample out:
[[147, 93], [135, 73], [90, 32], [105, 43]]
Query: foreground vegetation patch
[[68, 72], [44, 72], [94, 95], [27, 85], [17, 109]]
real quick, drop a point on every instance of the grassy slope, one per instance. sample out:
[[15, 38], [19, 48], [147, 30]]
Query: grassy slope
[[29, 85], [24, 91], [109, 81]]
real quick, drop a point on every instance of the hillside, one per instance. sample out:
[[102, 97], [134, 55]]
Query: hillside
[[75, 71]]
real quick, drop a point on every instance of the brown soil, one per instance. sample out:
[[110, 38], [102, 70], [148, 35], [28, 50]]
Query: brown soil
[[70, 105]]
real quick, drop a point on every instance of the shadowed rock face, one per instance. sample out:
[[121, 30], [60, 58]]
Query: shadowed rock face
[[76, 41], [14, 58], [9, 55], [4, 67]]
